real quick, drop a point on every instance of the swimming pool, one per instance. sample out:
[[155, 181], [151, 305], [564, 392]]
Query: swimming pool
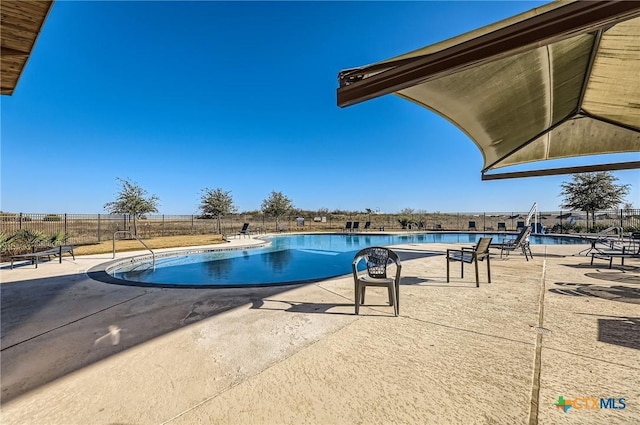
[[285, 260]]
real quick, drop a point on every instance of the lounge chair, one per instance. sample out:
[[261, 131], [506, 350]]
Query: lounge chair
[[502, 227], [367, 225], [35, 256], [356, 226], [347, 226], [520, 242], [471, 255], [628, 249], [377, 258], [244, 231], [472, 226]]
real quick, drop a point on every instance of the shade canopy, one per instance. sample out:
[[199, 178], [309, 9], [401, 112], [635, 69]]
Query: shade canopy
[[558, 81], [20, 23]]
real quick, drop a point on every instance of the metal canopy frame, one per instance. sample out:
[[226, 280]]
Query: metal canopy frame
[[561, 21]]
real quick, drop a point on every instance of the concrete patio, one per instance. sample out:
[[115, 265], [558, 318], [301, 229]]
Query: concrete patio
[[79, 351]]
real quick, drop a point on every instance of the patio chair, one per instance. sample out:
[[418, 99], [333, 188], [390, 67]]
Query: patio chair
[[472, 226], [437, 227], [377, 258], [520, 226], [244, 231], [502, 227], [521, 242], [356, 226], [35, 256], [367, 225], [471, 255], [347, 226], [627, 249]]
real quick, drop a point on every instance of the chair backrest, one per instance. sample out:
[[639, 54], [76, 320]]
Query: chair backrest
[[376, 258], [348, 225], [502, 226], [356, 225], [472, 225], [523, 236], [482, 248], [367, 224], [520, 225], [245, 226]]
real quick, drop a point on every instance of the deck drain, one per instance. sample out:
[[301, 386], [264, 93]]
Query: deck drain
[[543, 330]]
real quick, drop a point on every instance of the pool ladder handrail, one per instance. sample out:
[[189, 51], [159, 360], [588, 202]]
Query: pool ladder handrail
[[153, 254]]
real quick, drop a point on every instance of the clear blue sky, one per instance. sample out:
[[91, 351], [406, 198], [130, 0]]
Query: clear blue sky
[[242, 96]]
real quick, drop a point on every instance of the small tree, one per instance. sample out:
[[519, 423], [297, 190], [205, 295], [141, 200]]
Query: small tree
[[590, 192], [216, 203], [132, 200], [277, 205]]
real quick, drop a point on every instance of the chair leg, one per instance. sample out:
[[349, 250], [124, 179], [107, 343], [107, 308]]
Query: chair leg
[[477, 275], [397, 287], [461, 269], [392, 295], [357, 298], [447, 270], [392, 289], [363, 288], [488, 269]]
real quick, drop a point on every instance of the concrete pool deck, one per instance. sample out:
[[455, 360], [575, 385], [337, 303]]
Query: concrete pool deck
[[79, 351]]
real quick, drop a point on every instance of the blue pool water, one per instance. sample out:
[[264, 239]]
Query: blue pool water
[[289, 259]]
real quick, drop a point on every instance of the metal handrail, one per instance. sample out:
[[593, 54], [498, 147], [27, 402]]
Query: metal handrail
[[533, 212], [153, 255]]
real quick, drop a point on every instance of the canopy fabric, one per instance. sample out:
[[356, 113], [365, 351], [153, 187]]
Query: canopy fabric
[[20, 23], [573, 92]]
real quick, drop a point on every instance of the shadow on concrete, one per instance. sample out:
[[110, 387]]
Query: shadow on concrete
[[52, 327], [618, 330], [622, 331], [299, 306], [612, 293], [440, 282]]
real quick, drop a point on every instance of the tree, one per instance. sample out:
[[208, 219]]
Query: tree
[[216, 203], [277, 205], [132, 200], [590, 192]]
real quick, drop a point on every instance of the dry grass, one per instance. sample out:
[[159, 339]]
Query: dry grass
[[153, 243]]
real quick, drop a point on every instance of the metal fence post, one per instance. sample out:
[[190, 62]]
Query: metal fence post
[[98, 228], [162, 229], [192, 224], [65, 223]]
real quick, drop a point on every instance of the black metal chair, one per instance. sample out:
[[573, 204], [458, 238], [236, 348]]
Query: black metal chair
[[377, 258], [472, 226], [244, 231], [502, 227], [471, 255]]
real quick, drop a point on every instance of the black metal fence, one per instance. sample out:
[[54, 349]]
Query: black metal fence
[[94, 228]]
